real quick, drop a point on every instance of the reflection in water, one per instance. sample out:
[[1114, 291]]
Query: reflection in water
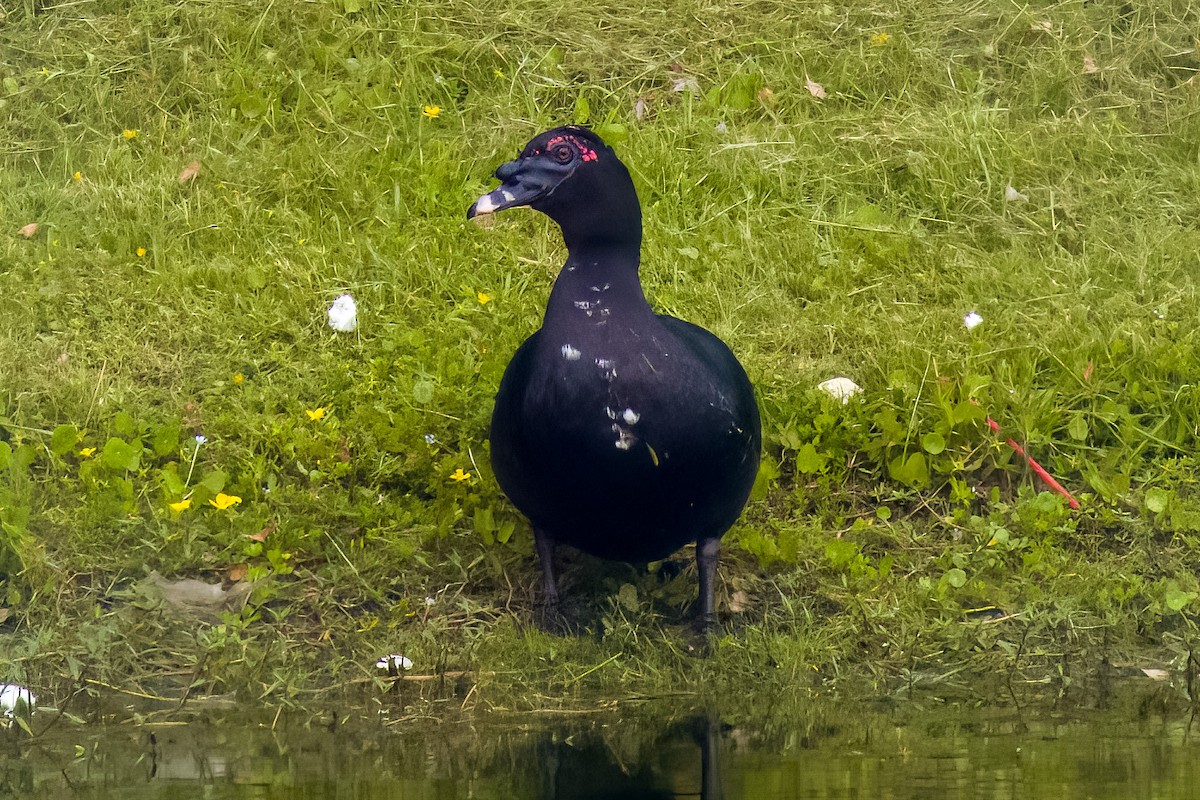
[[641, 751], [684, 762]]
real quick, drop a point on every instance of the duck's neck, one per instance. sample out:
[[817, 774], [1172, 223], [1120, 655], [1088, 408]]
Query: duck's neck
[[599, 284]]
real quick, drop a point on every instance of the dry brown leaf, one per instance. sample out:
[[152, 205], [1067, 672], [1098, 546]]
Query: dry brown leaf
[[238, 571], [264, 533], [4, 612], [1087, 372], [189, 172], [766, 96], [739, 601], [814, 88], [28, 230], [1156, 674], [1089, 66]]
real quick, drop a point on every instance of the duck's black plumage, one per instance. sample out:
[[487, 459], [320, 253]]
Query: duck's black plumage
[[621, 432]]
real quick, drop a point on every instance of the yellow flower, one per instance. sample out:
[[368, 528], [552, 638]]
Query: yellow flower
[[141, 251], [460, 476], [483, 298], [182, 505], [223, 501], [499, 73], [880, 39], [316, 413], [87, 452], [129, 133], [433, 112], [238, 377], [78, 176]]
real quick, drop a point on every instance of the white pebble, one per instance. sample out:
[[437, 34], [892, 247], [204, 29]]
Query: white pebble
[[840, 388], [343, 314]]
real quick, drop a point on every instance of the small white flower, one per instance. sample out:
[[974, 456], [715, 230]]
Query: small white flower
[[13, 696], [343, 314], [429, 601], [1012, 195], [972, 321], [393, 662], [840, 388], [429, 438], [722, 128], [200, 439]]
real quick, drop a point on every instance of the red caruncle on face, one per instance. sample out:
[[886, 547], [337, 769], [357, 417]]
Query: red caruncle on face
[[586, 153]]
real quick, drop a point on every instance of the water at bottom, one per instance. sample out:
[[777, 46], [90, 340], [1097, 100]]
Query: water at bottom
[[919, 748]]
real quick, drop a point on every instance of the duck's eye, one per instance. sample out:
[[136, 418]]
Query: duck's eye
[[562, 153]]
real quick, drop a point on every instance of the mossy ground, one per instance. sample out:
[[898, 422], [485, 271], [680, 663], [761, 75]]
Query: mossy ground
[[830, 188]]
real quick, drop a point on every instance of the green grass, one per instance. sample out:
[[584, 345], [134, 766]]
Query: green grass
[[839, 236]]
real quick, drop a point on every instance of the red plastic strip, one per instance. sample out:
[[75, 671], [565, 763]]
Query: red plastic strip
[[1038, 469]]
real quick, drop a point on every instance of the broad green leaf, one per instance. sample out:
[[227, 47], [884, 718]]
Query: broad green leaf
[[121, 455], [967, 411], [423, 392], [912, 471], [809, 461], [20, 458], [1078, 429], [1157, 500], [485, 524], [255, 278], [840, 552], [253, 106], [1177, 599], [124, 425], [172, 483], [63, 440], [165, 438], [933, 442], [612, 132], [956, 577], [582, 110], [214, 481]]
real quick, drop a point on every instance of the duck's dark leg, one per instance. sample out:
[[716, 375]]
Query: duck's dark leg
[[545, 545], [708, 553]]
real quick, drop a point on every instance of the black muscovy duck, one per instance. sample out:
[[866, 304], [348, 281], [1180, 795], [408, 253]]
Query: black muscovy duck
[[624, 433]]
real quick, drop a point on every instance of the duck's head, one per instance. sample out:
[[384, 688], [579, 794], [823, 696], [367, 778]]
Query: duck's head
[[570, 175]]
